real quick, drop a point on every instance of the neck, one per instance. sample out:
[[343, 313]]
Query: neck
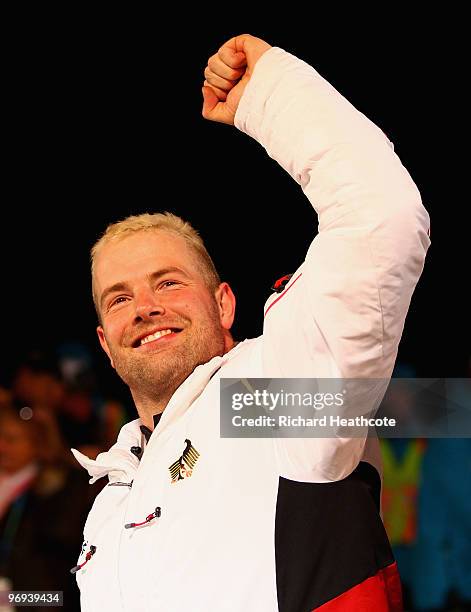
[[148, 405]]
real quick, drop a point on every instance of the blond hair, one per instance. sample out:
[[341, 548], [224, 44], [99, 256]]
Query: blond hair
[[151, 222]]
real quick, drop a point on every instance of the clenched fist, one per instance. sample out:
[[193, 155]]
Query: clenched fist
[[227, 74]]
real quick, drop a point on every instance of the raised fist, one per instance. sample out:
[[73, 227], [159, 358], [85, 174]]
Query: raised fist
[[227, 74]]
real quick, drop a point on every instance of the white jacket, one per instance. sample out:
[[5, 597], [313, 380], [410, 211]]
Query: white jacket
[[341, 314]]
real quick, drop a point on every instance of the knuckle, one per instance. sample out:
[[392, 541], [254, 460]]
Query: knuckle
[[211, 61]]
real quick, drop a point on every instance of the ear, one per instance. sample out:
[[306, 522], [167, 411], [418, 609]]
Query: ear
[[104, 344], [226, 302]]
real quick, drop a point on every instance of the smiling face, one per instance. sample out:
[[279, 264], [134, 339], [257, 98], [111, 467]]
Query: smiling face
[[159, 318]]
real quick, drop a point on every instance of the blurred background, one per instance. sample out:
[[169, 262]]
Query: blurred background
[[104, 120]]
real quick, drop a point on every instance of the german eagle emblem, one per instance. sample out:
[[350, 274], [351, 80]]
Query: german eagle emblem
[[183, 467]]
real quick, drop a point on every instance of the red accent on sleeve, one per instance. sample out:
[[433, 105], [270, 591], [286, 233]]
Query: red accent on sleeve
[[280, 280], [282, 294]]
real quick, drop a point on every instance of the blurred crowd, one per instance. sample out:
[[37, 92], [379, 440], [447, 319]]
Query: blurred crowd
[[52, 404], [426, 506]]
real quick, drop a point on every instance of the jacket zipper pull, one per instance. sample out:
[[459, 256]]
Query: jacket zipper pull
[[88, 556], [157, 512]]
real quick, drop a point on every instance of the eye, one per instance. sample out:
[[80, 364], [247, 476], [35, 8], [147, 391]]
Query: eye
[[119, 300], [168, 283]]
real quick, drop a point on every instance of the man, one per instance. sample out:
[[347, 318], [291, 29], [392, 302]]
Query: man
[[190, 521]]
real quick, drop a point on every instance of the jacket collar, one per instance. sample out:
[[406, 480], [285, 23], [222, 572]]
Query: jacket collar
[[119, 464]]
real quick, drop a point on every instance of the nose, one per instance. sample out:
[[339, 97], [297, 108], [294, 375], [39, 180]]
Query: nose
[[147, 305]]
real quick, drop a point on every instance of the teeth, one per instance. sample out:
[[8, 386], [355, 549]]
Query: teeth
[[156, 336]]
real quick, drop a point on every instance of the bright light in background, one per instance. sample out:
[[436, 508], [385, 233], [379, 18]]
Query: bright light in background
[[26, 413]]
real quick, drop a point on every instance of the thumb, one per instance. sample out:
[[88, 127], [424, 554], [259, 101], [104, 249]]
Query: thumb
[[210, 100], [214, 109]]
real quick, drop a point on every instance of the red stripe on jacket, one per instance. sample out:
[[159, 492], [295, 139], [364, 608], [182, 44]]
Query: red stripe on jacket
[[380, 593]]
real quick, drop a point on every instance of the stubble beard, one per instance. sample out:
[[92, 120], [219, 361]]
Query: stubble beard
[[156, 376]]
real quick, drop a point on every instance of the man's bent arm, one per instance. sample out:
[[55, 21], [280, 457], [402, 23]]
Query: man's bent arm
[[343, 312], [361, 269]]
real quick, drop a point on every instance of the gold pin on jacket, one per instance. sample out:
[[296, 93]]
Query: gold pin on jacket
[[183, 467]]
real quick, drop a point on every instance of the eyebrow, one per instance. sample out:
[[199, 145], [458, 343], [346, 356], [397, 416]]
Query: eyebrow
[[123, 286]]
